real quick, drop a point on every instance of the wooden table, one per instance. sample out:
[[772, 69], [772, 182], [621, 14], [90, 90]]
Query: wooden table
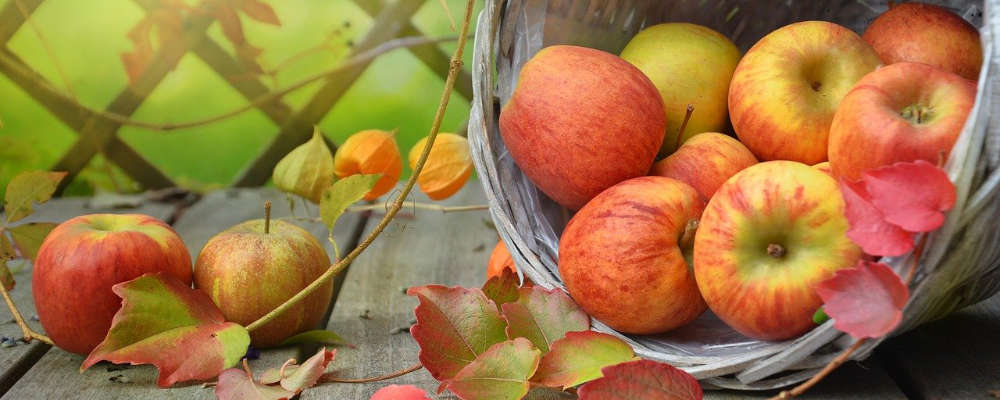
[[955, 358]]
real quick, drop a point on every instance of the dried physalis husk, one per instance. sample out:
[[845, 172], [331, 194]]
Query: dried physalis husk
[[307, 170], [448, 165], [371, 152]]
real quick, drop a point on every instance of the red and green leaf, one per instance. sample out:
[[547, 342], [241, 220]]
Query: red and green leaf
[[29, 237], [297, 378], [237, 384], [454, 326], [500, 373], [28, 188], [502, 289], [579, 357], [164, 322], [400, 392], [865, 301], [641, 379], [543, 316]]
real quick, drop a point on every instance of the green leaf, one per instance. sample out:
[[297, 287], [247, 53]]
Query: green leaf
[[502, 289], [500, 373], [236, 384], [29, 237], [579, 357], [27, 188], [342, 194], [320, 336], [543, 316], [164, 322], [820, 316]]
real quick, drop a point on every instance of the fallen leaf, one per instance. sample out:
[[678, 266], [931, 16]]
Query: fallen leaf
[[307, 170], [178, 329], [543, 316], [868, 227], [29, 237], [27, 188], [321, 336], [7, 251], [6, 277], [454, 326], [502, 289], [236, 384], [912, 195], [260, 11], [400, 392], [579, 357], [342, 194], [500, 373], [641, 379], [306, 375], [865, 301]]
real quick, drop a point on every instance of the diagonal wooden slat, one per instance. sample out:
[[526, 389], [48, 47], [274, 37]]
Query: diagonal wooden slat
[[387, 25], [13, 17]]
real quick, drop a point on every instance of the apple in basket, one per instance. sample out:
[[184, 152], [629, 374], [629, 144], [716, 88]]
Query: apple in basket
[[927, 34], [82, 258], [581, 120], [787, 87], [624, 257], [705, 162], [902, 112], [769, 234], [253, 267]]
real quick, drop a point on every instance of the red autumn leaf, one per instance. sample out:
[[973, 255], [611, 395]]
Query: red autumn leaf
[[165, 23], [237, 384], [454, 326], [260, 11], [641, 379], [400, 392], [164, 322], [502, 289], [543, 316], [579, 357], [500, 373], [912, 195], [294, 377], [865, 301], [868, 227]]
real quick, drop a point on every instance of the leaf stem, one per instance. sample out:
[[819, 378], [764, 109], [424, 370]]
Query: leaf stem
[[29, 334], [454, 67], [331, 378]]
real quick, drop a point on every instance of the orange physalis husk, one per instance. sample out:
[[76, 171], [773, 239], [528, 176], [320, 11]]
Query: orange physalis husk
[[448, 166], [370, 152]]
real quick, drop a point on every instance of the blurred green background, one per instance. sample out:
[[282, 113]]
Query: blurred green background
[[85, 39]]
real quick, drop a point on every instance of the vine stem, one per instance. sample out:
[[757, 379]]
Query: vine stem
[[421, 206], [29, 334], [449, 84], [843, 357], [330, 378]]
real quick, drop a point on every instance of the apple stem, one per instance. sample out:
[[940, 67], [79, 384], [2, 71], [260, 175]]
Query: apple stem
[[331, 378], [687, 237], [684, 124], [776, 250], [267, 217]]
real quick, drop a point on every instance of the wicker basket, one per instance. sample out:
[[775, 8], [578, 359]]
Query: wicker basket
[[961, 264]]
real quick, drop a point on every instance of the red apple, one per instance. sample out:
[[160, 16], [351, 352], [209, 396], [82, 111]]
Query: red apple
[[825, 167], [705, 161], [623, 255], [769, 234], [82, 258], [253, 267], [927, 34], [787, 87], [581, 120], [902, 112]]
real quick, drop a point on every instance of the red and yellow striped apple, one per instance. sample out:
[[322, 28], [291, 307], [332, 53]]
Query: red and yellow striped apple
[[706, 161], [787, 87], [253, 267], [623, 255], [580, 121], [82, 258], [769, 234], [902, 112], [926, 34]]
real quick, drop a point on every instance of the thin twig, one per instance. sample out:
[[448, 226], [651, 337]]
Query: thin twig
[[420, 206], [25, 329], [449, 84], [331, 378]]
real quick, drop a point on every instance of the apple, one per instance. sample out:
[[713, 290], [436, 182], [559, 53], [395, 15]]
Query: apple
[[253, 267], [787, 87], [581, 120], [902, 112], [771, 233], [825, 167], [82, 258], [928, 34], [623, 256], [690, 65], [706, 161]]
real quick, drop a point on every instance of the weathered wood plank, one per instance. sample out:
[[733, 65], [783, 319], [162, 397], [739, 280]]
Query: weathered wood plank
[[957, 357], [215, 212], [853, 380], [431, 247]]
